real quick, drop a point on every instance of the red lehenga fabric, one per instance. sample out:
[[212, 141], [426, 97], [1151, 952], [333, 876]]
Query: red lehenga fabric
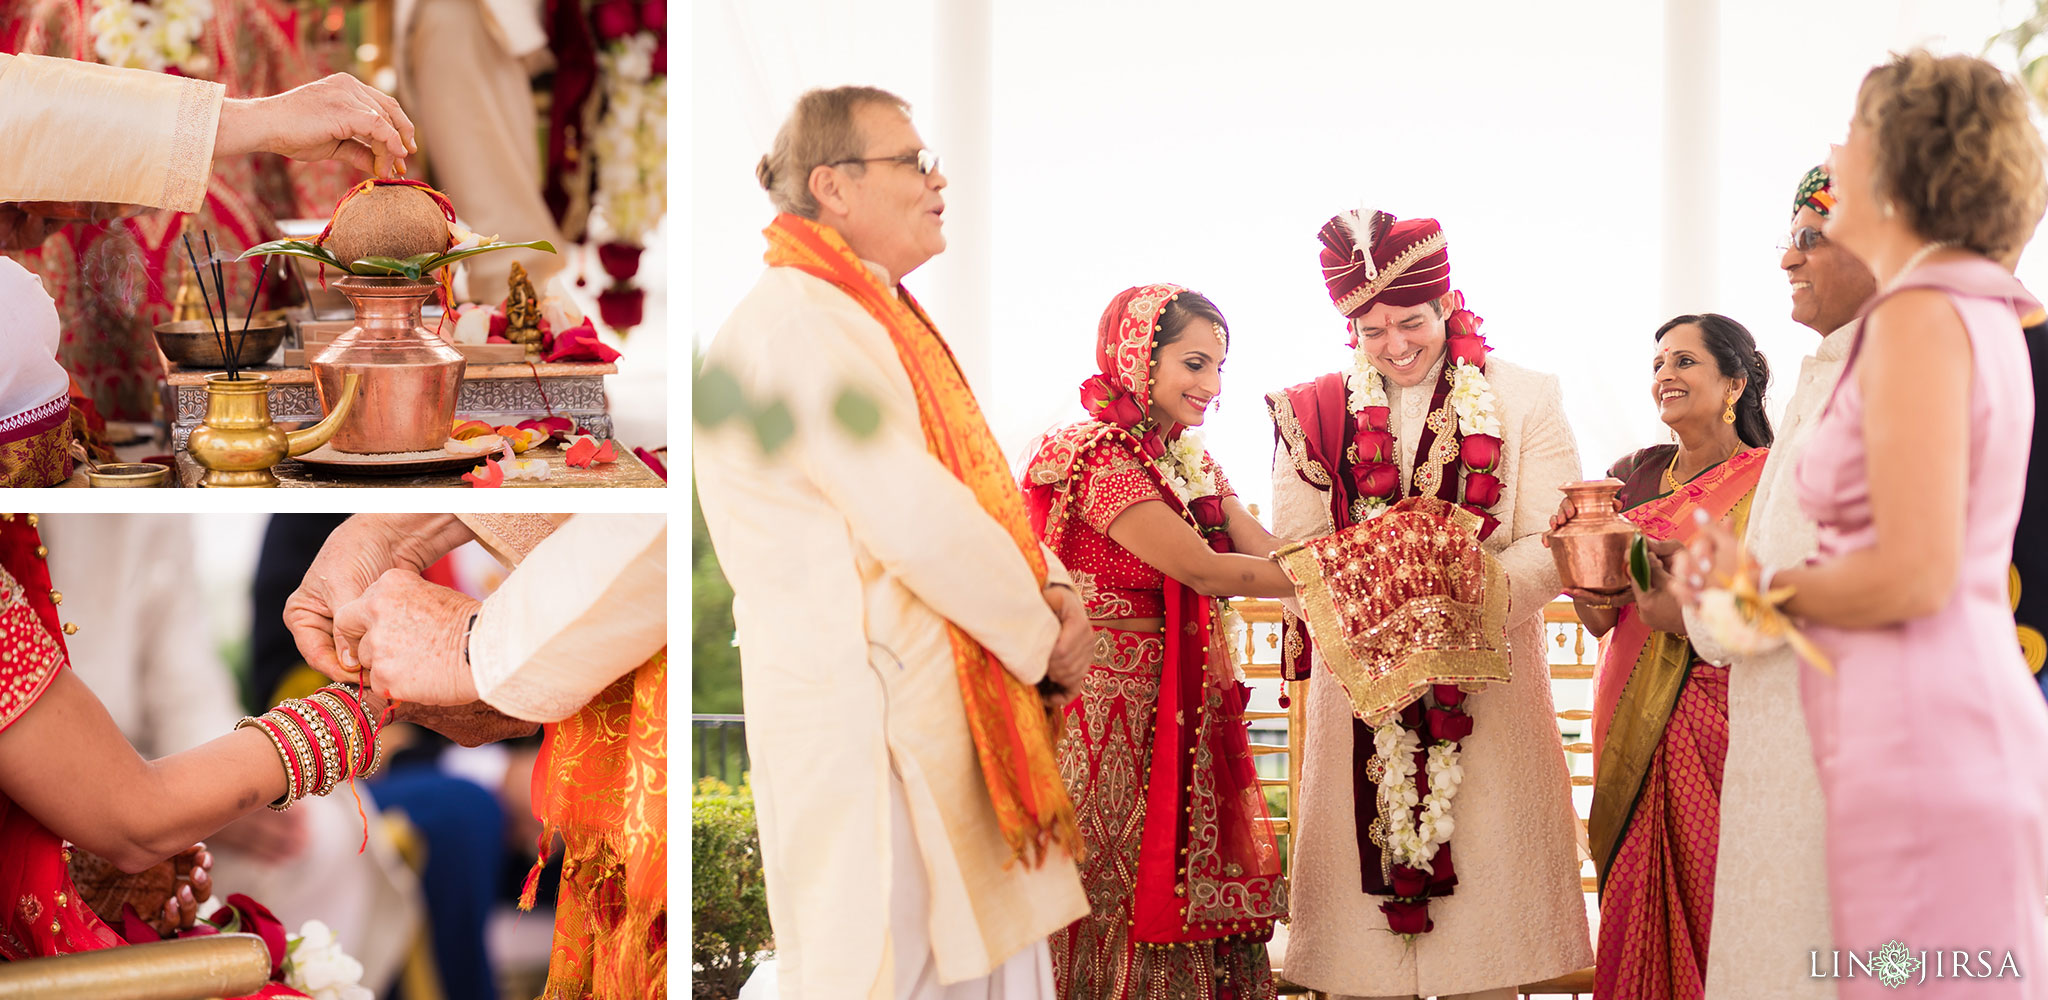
[[1182, 874], [43, 915], [1661, 733]]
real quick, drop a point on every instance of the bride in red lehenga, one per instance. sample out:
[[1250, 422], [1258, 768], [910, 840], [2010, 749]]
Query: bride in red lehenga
[[71, 783], [1182, 875]]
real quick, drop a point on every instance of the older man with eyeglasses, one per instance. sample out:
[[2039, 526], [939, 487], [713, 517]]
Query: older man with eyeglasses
[[1770, 880], [892, 600]]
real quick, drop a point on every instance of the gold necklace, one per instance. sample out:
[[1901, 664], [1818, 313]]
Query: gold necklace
[[1671, 484]]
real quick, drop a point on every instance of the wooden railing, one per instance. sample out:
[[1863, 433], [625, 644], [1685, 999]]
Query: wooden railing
[[1573, 654]]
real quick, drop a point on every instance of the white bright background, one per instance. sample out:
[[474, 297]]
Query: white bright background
[[1204, 143]]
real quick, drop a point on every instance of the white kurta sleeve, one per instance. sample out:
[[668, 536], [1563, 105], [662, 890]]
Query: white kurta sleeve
[[1547, 459], [585, 606], [1300, 511], [923, 524], [78, 131]]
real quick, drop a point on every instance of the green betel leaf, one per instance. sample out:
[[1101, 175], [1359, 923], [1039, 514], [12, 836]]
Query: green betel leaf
[[294, 248], [440, 261], [1639, 561]]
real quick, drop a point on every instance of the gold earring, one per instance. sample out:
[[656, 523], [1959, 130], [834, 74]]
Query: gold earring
[[1728, 415]]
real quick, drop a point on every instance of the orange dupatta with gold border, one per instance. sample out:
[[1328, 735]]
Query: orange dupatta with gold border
[[1013, 734]]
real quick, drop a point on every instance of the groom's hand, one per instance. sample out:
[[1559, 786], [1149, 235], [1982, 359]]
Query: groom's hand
[[355, 555], [1074, 648]]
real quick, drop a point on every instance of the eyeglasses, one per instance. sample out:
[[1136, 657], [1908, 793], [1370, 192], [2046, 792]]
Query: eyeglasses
[[1803, 239], [926, 161]]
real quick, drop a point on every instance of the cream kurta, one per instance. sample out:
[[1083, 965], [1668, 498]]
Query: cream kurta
[[1770, 878], [1518, 914], [847, 558], [587, 604], [78, 131]]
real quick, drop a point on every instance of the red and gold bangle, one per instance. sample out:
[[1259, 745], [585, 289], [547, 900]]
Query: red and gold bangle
[[337, 715], [350, 697], [309, 761], [336, 739], [284, 754], [317, 753]]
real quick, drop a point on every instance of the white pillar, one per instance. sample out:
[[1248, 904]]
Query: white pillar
[[1692, 147], [961, 281]]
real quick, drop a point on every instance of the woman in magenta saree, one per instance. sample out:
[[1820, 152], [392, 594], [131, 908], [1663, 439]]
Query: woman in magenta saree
[[77, 802], [1660, 713], [1182, 875]]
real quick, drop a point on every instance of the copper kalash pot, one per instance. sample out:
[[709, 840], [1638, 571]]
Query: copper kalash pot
[[409, 376], [1591, 549]]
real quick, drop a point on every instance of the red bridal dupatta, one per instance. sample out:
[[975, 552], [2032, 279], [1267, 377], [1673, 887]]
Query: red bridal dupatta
[[1642, 672], [1013, 735], [1207, 864]]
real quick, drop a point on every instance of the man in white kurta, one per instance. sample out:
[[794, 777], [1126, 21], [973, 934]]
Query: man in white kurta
[[1518, 913], [1770, 877], [888, 874]]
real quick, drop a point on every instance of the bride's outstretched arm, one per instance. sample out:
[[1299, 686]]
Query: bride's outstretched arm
[[1154, 533], [67, 764]]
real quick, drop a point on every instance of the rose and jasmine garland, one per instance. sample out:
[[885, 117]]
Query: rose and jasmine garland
[[1388, 647]]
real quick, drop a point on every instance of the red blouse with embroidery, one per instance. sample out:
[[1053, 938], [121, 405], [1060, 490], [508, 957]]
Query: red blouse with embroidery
[[1114, 583]]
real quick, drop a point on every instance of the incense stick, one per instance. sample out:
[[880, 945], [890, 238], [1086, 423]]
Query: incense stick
[[261, 274], [220, 290], [199, 277]]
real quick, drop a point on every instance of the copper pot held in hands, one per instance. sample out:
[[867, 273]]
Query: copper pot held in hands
[[1591, 548]]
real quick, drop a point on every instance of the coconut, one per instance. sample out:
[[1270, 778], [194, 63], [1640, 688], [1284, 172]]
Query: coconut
[[388, 220]]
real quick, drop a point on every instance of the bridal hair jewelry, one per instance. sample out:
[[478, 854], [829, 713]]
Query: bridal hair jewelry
[[323, 739]]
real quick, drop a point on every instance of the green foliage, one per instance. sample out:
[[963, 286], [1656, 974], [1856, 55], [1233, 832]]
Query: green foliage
[[2032, 62], [728, 895], [414, 267], [714, 660]]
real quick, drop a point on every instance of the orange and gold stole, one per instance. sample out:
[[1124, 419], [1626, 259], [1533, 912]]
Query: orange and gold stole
[[1013, 736], [601, 783]]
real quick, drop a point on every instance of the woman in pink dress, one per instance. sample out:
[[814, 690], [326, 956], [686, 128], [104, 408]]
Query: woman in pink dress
[[1929, 736], [1182, 874]]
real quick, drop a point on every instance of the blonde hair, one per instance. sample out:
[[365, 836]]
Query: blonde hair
[[820, 130], [1956, 150]]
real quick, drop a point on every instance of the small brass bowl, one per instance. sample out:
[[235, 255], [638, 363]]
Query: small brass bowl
[[190, 343], [128, 474]]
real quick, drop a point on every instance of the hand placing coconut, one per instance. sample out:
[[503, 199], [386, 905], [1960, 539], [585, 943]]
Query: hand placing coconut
[[337, 117]]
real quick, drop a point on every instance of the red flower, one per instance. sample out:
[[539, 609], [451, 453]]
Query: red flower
[[1407, 918], [1219, 541], [620, 260], [615, 19], [1479, 452], [1374, 446], [498, 322], [553, 427], [657, 64], [1207, 511], [654, 15], [1375, 479], [1373, 418], [1487, 522], [587, 452], [1449, 726], [1468, 350], [654, 464], [1463, 323], [1447, 695], [621, 307], [486, 476], [1409, 882], [1153, 444], [1482, 489]]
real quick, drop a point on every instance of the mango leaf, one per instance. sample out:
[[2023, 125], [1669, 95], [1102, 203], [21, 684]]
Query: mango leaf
[[1639, 562], [295, 248], [371, 266], [440, 261]]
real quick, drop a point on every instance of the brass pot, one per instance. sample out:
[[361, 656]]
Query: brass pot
[[1591, 549], [408, 377], [239, 444]]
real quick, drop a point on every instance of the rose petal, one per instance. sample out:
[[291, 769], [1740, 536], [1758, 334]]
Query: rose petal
[[487, 476]]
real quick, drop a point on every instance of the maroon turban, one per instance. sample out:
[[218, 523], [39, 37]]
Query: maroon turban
[[1382, 259]]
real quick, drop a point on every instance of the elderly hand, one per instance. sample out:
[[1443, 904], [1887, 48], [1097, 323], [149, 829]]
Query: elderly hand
[[354, 556], [1073, 650], [471, 725], [409, 635], [337, 117]]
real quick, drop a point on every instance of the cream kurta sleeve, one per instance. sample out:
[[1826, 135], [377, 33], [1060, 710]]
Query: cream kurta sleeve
[[923, 524], [78, 131], [1547, 458], [587, 605]]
